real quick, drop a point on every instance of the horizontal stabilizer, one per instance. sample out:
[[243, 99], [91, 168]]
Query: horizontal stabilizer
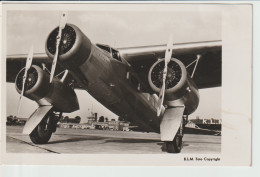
[[35, 119], [171, 122]]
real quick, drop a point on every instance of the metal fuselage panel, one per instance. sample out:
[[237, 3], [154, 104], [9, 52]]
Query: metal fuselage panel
[[107, 82]]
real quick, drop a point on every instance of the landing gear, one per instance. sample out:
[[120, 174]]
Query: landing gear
[[175, 146], [42, 133]]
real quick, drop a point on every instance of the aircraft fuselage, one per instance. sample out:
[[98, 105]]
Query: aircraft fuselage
[[109, 82]]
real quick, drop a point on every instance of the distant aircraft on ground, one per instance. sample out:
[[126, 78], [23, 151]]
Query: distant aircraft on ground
[[154, 87]]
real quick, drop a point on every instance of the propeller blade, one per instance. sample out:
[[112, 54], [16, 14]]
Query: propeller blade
[[168, 52], [160, 101], [29, 59], [27, 67], [63, 20], [168, 56], [162, 92], [62, 25]]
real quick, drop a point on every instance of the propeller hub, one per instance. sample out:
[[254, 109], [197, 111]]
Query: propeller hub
[[67, 41], [32, 77], [173, 76]]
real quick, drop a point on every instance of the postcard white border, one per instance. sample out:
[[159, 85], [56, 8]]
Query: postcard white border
[[242, 117]]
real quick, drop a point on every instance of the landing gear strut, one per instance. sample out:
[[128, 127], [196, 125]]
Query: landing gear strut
[[42, 133]]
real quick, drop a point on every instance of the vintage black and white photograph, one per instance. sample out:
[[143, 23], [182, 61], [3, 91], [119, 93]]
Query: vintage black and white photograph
[[102, 80]]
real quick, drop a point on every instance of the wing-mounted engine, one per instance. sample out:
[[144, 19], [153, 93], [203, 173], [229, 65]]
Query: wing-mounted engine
[[180, 88], [38, 88]]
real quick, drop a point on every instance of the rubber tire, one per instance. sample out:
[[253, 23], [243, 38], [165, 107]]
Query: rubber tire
[[39, 134], [174, 146]]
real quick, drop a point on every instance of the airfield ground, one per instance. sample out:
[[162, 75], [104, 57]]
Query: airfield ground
[[107, 142]]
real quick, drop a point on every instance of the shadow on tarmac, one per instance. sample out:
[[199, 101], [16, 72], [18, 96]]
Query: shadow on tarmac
[[131, 141], [76, 140]]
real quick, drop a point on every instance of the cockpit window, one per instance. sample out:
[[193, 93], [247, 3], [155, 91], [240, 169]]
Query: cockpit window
[[106, 48], [114, 53]]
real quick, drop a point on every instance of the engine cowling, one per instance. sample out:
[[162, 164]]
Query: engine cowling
[[180, 88], [75, 47], [38, 88]]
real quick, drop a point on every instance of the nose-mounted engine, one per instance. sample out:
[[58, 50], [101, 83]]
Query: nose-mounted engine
[[38, 88], [74, 48], [180, 88]]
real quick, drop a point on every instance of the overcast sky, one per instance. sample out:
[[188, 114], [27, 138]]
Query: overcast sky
[[118, 29]]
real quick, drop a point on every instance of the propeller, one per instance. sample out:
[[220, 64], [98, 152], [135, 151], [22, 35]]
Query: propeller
[[168, 56], [62, 25], [27, 67]]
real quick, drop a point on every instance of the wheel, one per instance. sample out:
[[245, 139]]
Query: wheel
[[175, 145], [42, 133]]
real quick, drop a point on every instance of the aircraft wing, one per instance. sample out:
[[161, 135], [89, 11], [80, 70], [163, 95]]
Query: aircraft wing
[[207, 74], [14, 63]]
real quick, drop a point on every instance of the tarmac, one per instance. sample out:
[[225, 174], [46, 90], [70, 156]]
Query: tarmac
[[82, 141]]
